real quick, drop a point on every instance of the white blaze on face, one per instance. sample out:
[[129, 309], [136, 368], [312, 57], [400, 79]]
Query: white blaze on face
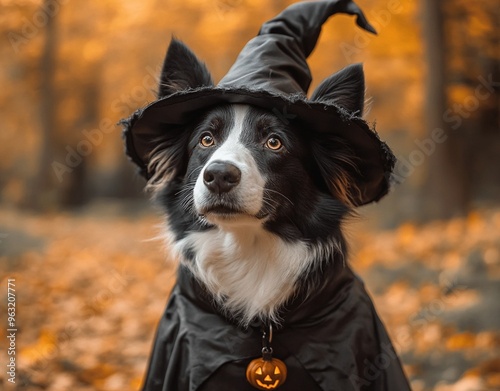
[[248, 194]]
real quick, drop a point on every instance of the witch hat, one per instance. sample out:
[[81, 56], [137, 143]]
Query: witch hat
[[271, 72]]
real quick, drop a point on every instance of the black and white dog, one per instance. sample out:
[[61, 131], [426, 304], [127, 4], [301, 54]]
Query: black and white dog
[[252, 214], [255, 200]]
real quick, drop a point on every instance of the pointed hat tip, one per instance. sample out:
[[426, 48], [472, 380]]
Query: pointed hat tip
[[361, 20], [364, 24]]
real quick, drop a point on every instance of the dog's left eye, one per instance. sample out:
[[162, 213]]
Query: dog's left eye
[[207, 140], [274, 143]]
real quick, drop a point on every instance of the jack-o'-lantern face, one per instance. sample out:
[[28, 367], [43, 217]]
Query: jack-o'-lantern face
[[266, 374]]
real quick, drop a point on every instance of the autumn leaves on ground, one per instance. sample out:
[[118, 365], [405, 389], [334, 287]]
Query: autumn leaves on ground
[[91, 287]]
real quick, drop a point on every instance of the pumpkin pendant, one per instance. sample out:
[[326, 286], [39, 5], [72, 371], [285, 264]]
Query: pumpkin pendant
[[266, 373]]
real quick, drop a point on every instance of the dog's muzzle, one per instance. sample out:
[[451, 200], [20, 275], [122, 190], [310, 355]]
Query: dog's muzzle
[[229, 187]]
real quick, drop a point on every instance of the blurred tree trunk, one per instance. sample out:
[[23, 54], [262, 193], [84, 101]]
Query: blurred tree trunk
[[41, 193], [444, 192], [77, 188]]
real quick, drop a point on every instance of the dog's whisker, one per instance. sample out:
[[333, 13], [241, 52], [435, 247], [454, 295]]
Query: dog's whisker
[[183, 190], [269, 202], [278, 193], [195, 171]]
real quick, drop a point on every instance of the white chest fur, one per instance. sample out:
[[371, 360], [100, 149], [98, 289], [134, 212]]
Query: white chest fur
[[250, 271]]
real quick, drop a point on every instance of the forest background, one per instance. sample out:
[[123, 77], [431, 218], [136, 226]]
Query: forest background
[[75, 222]]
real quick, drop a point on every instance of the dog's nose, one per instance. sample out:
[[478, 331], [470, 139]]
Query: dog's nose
[[220, 177]]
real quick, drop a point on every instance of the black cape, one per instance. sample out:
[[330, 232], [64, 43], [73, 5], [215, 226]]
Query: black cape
[[330, 340]]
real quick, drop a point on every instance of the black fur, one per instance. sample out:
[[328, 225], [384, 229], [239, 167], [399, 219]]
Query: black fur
[[182, 70], [346, 88]]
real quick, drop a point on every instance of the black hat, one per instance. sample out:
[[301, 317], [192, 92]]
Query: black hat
[[271, 72]]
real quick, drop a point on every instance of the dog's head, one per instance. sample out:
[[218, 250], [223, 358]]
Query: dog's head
[[235, 164]]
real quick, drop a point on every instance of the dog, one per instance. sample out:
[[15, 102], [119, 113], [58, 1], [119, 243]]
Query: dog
[[256, 197], [252, 217]]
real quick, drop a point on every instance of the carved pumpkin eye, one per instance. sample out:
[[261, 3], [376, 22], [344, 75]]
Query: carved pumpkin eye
[[266, 374]]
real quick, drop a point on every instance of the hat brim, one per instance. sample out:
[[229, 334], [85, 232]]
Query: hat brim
[[375, 159]]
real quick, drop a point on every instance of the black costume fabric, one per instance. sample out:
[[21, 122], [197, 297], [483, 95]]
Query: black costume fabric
[[271, 72], [331, 340]]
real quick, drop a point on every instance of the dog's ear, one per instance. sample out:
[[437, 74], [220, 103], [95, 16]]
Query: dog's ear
[[182, 70], [345, 88], [169, 159], [338, 166]]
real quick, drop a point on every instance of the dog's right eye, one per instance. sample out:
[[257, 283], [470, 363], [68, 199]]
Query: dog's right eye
[[207, 140]]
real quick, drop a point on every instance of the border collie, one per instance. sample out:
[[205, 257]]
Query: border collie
[[255, 201], [252, 217]]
